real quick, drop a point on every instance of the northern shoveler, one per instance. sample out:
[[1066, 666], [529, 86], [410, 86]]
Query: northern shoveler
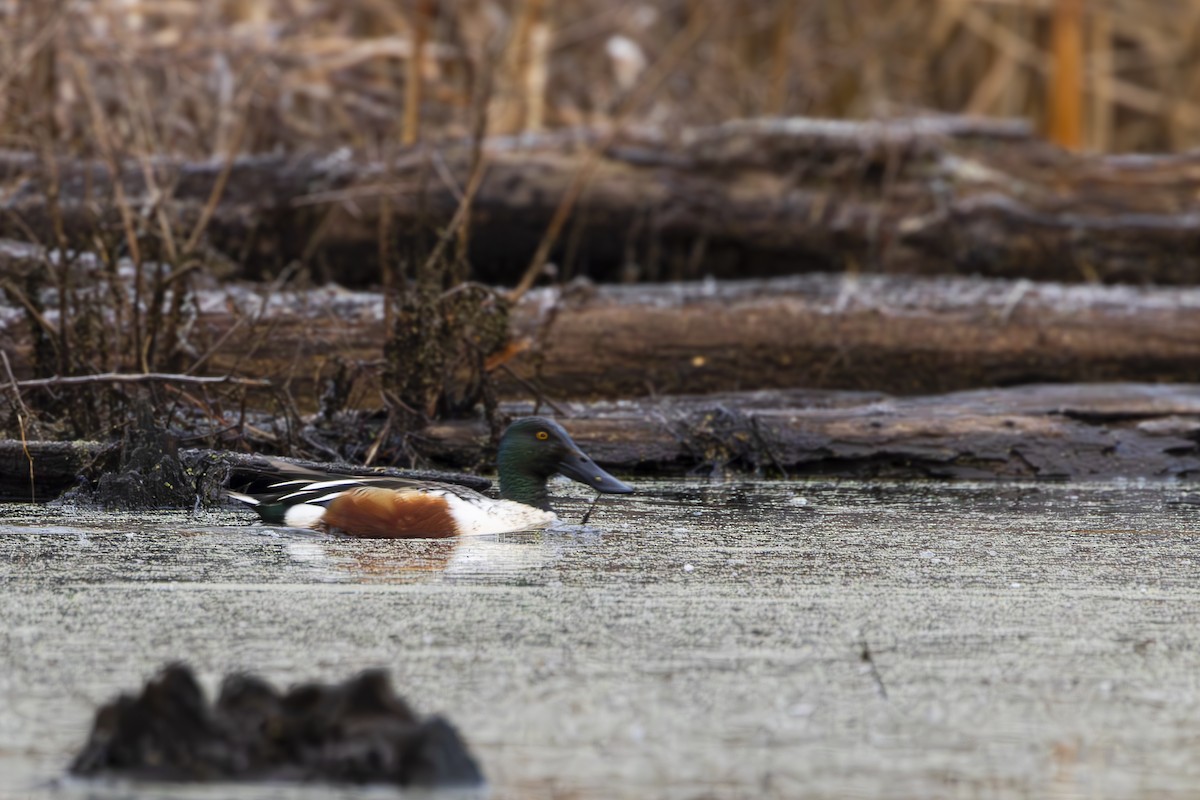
[[531, 451]]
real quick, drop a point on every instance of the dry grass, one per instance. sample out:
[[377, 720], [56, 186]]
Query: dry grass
[[209, 78]]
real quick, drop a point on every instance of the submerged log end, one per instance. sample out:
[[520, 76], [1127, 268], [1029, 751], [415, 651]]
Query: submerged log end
[[40, 471]]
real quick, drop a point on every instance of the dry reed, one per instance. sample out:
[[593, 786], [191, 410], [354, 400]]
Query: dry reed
[[202, 79]]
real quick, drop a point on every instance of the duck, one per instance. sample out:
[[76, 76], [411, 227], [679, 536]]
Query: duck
[[532, 450]]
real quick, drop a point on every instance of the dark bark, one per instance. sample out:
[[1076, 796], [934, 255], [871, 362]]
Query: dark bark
[[56, 467], [754, 198], [1066, 432], [94, 474]]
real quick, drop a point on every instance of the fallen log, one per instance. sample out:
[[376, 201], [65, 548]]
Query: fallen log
[[886, 333], [821, 331], [749, 198], [893, 334], [1043, 432], [40, 471], [92, 473], [1054, 432]]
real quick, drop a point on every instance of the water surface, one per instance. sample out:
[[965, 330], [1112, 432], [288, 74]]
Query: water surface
[[694, 640]]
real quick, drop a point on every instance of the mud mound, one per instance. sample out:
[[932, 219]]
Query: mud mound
[[358, 731]]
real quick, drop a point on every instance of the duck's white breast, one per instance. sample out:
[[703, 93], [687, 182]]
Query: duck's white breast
[[476, 515]]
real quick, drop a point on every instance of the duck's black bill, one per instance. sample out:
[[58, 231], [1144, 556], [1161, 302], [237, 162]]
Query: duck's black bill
[[579, 467]]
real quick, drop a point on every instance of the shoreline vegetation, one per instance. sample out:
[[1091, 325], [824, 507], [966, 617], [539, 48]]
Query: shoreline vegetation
[[371, 235]]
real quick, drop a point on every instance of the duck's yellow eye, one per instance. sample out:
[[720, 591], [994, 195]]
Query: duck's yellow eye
[[543, 435]]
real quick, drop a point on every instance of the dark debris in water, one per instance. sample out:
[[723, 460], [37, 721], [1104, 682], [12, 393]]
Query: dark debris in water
[[359, 731], [143, 471]]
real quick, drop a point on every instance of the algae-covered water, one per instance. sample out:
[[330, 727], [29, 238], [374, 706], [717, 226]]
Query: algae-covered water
[[694, 640]]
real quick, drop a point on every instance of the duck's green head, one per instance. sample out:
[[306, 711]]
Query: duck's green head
[[533, 449]]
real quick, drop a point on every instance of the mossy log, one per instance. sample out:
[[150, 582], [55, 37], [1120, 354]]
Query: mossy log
[[743, 199]]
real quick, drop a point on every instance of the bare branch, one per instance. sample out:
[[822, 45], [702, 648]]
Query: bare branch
[[145, 377]]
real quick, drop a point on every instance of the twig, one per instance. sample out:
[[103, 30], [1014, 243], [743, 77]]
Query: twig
[[108, 152], [461, 214], [19, 63], [17, 294], [393, 399], [218, 188], [217, 345], [136, 377], [780, 72], [591, 508], [537, 393], [482, 87], [22, 413], [412, 77], [322, 448], [443, 170], [762, 440], [1021, 288], [264, 300], [679, 47], [867, 658], [384, 432], [536, 53]]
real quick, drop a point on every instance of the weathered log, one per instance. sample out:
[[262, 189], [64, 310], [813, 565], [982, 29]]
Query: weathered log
[[753, 198], [894, 334], [900, 335], [40, 471], [1059, 432]]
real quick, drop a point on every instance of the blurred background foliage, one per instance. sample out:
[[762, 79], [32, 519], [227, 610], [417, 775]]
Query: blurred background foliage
[[211, 78]]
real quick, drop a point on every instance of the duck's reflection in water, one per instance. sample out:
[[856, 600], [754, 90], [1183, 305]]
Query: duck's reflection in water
[[486, 558]]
